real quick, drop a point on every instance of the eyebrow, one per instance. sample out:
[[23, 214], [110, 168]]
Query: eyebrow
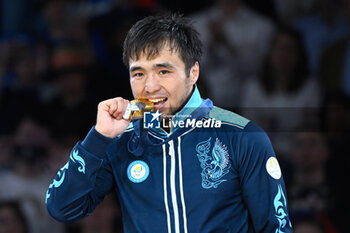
[[155, 66], [133, 68], [163, 65]]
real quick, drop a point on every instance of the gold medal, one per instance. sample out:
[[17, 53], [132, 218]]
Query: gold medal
[[137, 107]]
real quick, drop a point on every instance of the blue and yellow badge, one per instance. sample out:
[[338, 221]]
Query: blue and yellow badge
[[138, 171]]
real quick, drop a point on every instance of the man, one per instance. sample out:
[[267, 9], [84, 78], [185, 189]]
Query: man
[[213, 171]]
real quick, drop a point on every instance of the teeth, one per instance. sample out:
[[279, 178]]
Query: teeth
[[157, 100]]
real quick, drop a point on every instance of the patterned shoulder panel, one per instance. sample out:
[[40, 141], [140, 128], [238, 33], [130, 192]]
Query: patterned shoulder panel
[[228, 117]]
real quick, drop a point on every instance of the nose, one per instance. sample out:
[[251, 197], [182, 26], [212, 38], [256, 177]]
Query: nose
[[152, 84]]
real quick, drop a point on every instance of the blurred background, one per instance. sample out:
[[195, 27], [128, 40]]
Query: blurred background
[[283, 64]]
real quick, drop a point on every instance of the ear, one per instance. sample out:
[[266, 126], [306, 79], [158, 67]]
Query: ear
[[194, 73]]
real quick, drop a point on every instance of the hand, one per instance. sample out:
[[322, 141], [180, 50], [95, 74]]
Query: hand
[[110, 122]]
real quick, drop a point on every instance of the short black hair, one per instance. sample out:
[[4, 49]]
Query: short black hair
[[152, 33]]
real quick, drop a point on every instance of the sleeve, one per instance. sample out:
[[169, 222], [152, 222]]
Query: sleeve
[[82, 183], [263, 188]]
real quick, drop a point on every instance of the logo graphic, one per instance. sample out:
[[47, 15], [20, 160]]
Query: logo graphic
[[76, 158], [273, 168], [57, 182], [215, 165], [280, 204], [151, 120], [138, 171]]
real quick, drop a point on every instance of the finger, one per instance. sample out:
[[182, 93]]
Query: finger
[[126, 106], [113, 105], [119, 103], [123, 104], [103, 106], [107, 105], [127, 112]]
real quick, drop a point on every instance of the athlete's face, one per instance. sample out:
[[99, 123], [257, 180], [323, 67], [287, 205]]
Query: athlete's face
[[163, 80]]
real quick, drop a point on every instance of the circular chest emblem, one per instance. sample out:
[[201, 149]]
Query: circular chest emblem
[[273, 168], [138, 171]]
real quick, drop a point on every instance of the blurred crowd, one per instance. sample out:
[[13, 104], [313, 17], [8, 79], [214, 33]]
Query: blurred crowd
[[283, 64]]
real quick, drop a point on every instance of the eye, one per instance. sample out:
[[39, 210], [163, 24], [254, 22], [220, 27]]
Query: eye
[[137, 75], [164, 72]]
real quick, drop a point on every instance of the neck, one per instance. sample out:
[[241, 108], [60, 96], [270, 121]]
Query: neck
[[166, 126], [186, 100]]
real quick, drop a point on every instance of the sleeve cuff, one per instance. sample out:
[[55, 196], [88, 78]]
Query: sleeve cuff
[[96, 143]]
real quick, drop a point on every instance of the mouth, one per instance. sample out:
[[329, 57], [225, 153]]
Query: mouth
[[158, 102]]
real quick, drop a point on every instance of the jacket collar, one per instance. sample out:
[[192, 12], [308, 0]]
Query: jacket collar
[[195, 107], [192, 104]]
